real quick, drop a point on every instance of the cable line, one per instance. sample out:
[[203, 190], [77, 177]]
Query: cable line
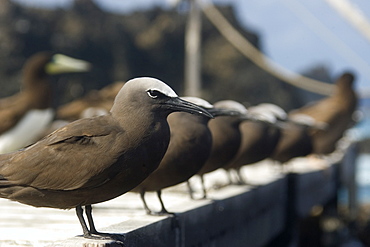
[[258, 58]]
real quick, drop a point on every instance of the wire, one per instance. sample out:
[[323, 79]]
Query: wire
[[258, 58], [353, 15], [327, 35]]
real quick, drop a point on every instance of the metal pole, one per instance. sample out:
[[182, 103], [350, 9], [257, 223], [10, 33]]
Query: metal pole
[[192, 51]]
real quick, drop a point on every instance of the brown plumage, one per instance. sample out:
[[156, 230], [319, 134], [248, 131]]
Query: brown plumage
[[295, 140], [96, 159], [226, 138], [99, 99], [336, 111], [189, 148], [34, 95], [259, 139]]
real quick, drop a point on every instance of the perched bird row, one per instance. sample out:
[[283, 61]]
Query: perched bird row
[[146, 140]]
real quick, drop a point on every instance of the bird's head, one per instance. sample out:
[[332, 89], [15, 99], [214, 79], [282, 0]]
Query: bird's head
[[150, 93]]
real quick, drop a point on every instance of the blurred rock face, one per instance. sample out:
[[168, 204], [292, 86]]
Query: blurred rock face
[[121, 47]]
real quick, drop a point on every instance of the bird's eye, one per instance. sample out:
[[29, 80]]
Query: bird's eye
[[154, 93]]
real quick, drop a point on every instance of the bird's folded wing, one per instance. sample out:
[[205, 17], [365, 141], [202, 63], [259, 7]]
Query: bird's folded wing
[[67, 159]]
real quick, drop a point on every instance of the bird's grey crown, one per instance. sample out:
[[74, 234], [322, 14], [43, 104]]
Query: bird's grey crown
[[152, 84], [231, 105]]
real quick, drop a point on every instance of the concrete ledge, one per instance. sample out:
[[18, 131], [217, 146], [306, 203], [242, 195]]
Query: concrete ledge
[[234, 216], [313, 188], [250, 215], [248, 219]]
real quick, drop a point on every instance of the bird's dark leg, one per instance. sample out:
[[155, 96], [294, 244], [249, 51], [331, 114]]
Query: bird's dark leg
[[79, 212], [147, 209], [241, 180], [190, 190], [163, 210], [92, 233], [203, 186], [142, 196], [236, 173], [88, 212], [229, 176]]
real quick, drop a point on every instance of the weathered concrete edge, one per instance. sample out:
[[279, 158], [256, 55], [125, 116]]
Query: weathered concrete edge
[[254, 216]]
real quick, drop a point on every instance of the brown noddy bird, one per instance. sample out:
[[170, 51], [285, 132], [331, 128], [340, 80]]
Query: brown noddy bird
[[189, 148], [226, 138], [336, 111], [98, 100], [295, 140], [93, 160], [259, 138], [25, 115]]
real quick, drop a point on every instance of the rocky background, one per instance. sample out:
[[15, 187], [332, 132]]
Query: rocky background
[[121, 47]]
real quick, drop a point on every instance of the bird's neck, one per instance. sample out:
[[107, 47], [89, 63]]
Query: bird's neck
[[141, 123], [39, 94]]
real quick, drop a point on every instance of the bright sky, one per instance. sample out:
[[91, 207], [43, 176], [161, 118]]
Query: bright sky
[[297, 34]]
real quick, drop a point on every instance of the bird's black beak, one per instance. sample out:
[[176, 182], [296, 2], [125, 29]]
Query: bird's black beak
[[216, 112], [178, 104]]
